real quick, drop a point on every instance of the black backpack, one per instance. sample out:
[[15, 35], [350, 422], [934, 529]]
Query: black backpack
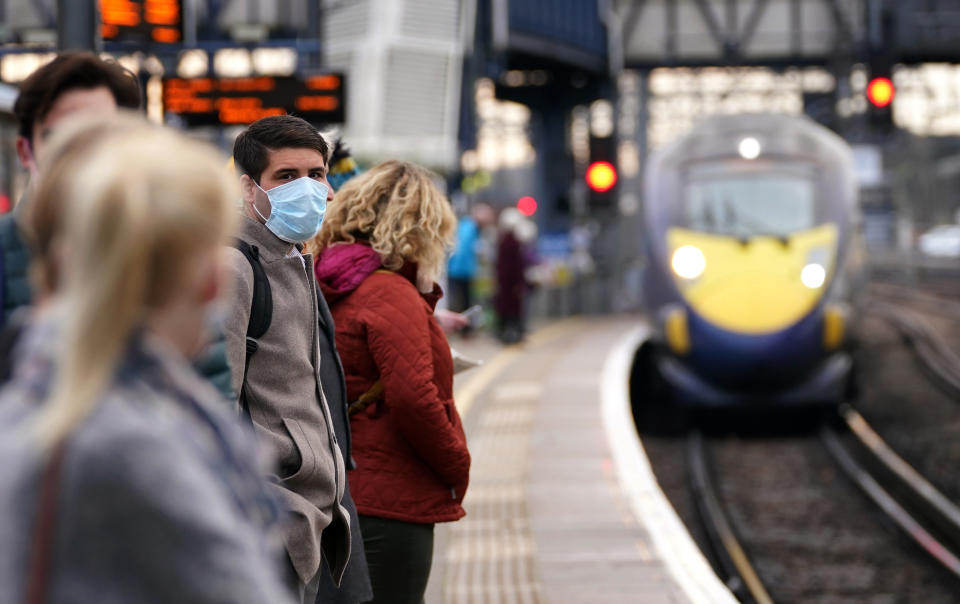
[[261, 311]]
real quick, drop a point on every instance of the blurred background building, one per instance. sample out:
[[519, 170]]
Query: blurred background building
[[549, 104]]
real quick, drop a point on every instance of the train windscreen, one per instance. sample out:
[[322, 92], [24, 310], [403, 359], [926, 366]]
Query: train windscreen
[[748, 202]]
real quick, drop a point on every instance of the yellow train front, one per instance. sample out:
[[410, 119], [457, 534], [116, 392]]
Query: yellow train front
[[753, 262]]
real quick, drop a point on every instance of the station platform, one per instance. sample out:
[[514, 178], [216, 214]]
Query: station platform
[[562, 505]]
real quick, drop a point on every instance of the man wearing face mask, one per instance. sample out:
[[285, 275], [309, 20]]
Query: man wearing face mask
[[283, 167]]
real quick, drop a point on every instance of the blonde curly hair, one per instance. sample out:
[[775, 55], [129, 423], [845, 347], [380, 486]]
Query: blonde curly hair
[[396, 208]]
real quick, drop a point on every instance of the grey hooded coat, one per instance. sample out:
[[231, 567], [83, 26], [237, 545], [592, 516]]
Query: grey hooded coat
[[285, 398], [160, 497]]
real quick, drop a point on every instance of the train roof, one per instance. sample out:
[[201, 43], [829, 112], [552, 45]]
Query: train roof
[[738, 121], [786, 135]]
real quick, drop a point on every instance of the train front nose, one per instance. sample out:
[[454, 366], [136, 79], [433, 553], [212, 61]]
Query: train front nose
[[756, 301], [752, 314], [745, 361]]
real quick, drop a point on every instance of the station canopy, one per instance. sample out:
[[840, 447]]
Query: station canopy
[[746, 32]]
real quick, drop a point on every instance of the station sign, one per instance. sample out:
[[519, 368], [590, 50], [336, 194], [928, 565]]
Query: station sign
[[140, 21], [319, 99]]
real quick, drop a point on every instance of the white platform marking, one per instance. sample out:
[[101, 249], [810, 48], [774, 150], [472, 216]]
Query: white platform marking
[[671, 539]]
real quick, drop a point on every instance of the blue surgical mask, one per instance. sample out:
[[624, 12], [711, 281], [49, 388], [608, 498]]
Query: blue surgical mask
[[296, 209]]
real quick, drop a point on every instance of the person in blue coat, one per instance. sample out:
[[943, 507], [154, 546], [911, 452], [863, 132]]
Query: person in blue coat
[[462, 267]]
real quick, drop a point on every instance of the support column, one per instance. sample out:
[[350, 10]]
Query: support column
[[77, 26], [315, 19], [631, 158]]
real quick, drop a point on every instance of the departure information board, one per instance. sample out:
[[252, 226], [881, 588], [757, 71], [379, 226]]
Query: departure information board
[[219, 101], [142, 21]]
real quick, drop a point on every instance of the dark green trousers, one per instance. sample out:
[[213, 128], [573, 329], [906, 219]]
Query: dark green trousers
[[399, 555]]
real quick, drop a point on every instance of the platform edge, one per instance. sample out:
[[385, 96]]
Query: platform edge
[[684, 560]]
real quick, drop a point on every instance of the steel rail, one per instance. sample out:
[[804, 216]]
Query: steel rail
[[939, 305], [939, 361], [741, 577], [880, 496], [923, 495]]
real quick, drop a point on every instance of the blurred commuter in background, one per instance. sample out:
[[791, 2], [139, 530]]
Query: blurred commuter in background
[[73, 84], [124, 478], [342, 165], [355, 585], [527, 232], [275, 348], [462, 267], [511, 267], [379, 253]]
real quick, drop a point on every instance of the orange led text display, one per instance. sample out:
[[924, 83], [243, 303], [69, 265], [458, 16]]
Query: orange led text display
[[142, 20], [219, 101]]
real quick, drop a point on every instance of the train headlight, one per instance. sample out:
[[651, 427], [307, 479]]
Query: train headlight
[[813, 275], [688, 262], [749, 148]]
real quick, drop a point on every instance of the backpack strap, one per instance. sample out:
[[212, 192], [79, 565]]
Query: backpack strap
[[261, 310]]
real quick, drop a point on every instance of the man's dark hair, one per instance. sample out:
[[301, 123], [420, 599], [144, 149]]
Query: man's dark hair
[[72, 71], [251, 150]]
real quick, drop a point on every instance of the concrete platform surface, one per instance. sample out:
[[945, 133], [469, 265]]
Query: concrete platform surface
[[562, 506]]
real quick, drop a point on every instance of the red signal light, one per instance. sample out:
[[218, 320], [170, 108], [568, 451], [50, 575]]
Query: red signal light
[[527, 205], [880, 92], [601, 176]]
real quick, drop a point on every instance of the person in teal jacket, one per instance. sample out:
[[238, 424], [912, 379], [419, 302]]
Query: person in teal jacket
[[73, 83], [462, 266]]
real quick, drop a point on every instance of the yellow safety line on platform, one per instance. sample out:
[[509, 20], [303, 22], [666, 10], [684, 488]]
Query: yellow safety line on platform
[[465, 395]]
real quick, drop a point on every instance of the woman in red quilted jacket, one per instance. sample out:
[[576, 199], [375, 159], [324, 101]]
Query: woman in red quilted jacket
[[382, 245]]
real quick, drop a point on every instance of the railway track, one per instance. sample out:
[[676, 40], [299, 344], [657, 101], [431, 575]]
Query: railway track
[[898, 306], [738, 571], [932, 512], [936, 358], [945, 304], [783, 518], [905, 498]]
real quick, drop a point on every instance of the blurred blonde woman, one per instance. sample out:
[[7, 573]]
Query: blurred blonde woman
[[379, 252], [125, 478]]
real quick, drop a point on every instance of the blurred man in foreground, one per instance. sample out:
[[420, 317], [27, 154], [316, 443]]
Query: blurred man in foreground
[[73, 83]]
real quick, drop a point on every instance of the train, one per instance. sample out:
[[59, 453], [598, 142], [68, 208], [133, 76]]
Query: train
[[754, 264]]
